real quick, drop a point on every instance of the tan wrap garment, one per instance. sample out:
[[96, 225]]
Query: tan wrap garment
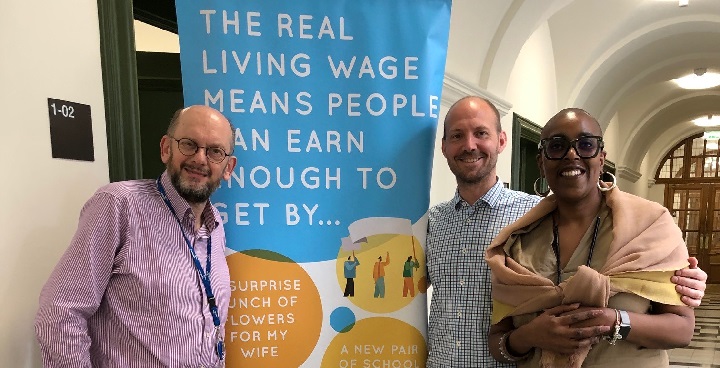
[[646, 249]]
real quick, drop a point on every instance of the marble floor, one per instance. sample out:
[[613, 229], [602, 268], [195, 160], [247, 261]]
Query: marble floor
[[704, 350]]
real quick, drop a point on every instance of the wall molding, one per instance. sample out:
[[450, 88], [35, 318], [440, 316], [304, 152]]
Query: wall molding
[[455, 88], [628, 173]]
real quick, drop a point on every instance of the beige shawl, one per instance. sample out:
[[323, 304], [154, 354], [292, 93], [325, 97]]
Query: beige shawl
[[646, 249]]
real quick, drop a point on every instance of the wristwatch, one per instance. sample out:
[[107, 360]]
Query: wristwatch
[[621, 329], [624, 324]]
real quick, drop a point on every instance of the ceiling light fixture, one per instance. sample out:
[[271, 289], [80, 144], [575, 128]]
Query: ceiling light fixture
[[707, 121], [699, 79], [683, 3]]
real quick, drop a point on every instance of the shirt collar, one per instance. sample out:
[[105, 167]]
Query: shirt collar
[[491, 198], [182, 207]]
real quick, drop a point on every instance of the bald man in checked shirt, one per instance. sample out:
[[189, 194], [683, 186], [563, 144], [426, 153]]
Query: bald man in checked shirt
[[144, 282]]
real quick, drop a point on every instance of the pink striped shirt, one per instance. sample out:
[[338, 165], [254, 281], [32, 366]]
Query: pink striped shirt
[[126, 293]]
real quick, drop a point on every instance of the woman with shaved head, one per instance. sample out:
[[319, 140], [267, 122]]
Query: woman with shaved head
[[583, 279]]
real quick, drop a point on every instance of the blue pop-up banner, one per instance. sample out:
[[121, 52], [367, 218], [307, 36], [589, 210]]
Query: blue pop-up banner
[[336, 106]]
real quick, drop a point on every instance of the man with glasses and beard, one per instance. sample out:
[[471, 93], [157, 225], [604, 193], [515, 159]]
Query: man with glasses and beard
[[460, 230], [144, 281]]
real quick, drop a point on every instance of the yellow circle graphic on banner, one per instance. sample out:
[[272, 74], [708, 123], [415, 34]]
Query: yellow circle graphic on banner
[[396, 289], [399, 345], [275, 312]]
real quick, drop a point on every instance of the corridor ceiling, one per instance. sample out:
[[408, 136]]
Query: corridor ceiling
[[615, 58]]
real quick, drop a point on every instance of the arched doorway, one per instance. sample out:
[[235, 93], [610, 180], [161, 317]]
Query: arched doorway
[[690, 172]]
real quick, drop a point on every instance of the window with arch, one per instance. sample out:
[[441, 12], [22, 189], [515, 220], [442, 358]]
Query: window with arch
[[693, 159]]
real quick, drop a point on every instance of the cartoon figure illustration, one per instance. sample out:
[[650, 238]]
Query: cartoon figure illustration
[[350, 274], [408, 269], [379, 275]]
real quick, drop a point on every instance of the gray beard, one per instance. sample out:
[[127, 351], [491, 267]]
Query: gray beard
[[190, 194]]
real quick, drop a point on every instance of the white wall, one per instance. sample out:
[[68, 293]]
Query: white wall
[[641, 185], [49, 49], [611, 136], [531, 89], [657, 193], [442, 183]]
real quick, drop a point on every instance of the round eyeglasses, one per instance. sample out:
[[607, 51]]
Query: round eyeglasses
[[188, 147], [556, 148]]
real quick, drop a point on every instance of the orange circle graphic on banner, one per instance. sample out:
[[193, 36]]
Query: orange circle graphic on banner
[[275, 311]]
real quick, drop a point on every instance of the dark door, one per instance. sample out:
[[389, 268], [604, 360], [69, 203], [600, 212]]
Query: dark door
[[159, 95]]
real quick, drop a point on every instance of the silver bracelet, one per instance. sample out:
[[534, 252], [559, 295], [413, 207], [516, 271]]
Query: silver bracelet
[[615, 336], [504, 350]]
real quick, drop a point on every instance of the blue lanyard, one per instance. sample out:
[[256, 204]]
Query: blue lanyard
[[204, 274]]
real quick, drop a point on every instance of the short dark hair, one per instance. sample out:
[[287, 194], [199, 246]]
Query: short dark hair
[[488, 102]]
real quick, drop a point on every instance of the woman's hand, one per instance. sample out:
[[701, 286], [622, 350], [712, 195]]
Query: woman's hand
[[607, 317], [563, 329]]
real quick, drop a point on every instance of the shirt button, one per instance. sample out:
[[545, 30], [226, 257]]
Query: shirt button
[[458, 344], [464, 250], [460, 314], [462, 282]]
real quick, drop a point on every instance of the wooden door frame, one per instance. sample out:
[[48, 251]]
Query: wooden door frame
[[119, 72], [120, 77], [705, 213], [521, 128]]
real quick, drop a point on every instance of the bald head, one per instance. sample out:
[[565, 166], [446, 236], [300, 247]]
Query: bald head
[[470, 105], [200, 112], [571, 114]]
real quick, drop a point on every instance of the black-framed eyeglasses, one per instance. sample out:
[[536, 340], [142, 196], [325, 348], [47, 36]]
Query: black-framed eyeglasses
[[556, 148], [188, 147]]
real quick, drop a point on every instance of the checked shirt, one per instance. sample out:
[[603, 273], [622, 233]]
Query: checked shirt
[[458, 234]]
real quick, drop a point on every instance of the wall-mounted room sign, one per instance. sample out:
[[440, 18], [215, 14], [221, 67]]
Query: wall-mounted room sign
[[70, 130]]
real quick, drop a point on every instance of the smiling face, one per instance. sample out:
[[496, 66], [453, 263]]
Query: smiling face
[[472, 141], [195, 177], [572, 178]]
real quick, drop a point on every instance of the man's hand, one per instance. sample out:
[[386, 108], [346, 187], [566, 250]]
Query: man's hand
[[690, 283]]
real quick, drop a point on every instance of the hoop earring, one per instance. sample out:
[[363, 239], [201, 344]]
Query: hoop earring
[[614, 182], [535, 188]]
